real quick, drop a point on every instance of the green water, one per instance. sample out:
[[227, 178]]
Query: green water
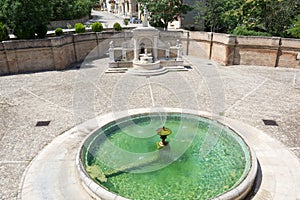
[[203, 159]]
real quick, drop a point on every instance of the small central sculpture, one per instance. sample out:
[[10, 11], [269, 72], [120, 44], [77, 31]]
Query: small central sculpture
[[163, 132], [146, 57]]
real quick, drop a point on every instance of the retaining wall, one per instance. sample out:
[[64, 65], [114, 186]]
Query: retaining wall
[[56, 53], [65, 23], [245, 50], [53, 53]]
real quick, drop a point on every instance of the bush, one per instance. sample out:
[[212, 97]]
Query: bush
[[3, 32], [117, 27], [24, 33], [79, 28], [241, 30], [97, 27], [59, 32], [126, 21], [41, 31]]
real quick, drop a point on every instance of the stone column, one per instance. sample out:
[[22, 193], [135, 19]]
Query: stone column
[[124, 54], [179, 53], [136, 53], [130, 8], [155, 41], [111, 51], [167, 53]]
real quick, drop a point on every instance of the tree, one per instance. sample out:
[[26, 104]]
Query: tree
[[272, 16], [26, 17], [71, 9], [218, 15], [164, 12], [209, 11], [295, 28], [258, 17]]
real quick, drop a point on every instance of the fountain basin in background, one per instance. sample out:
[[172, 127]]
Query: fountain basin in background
[[147, 68], [139, 65]]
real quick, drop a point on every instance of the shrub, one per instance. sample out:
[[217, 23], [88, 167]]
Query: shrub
[[3, 32], [79, 28], [117, 27], [59, 32], [126, 21], [97, 27], [41, 31], [24, 33], [241, 30]]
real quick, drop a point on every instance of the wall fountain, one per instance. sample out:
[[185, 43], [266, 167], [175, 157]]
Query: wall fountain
[[145, 54]]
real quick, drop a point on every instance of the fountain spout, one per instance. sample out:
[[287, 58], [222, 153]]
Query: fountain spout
[[163, 132]]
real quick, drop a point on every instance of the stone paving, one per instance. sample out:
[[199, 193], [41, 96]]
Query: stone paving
[[66, 98]]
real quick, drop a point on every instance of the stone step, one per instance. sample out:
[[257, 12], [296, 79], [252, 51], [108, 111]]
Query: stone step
[[116, 70], [176, 68]]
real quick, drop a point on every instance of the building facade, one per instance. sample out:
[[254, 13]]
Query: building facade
[[131, 8], [124, 8]]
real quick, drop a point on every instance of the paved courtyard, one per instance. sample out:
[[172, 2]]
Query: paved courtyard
[[249, 94]]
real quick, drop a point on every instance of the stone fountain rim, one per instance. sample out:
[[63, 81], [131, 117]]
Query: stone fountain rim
[[96, 191]]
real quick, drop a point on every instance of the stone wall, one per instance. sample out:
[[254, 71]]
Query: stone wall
[[53, 53], [65, 23], [245, 50], [56, 53]]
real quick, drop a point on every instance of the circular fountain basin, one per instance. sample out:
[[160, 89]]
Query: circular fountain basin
[[203, 160], [145, 68], [145, 65]]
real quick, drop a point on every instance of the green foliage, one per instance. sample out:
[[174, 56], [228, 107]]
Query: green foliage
[[71, 9], [27, 18], [3, 32], [97, 27], [210, 11], [164, 11], [125, 22], [79, 28], [274, 16], [271, 16], [241, 30], [59, 32], [117, 26], [41, 31], [295, 28]]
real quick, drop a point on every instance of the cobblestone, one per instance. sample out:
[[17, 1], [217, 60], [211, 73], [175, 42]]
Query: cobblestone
[[66, 98]]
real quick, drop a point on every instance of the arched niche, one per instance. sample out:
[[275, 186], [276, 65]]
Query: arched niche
[[145, 43]]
